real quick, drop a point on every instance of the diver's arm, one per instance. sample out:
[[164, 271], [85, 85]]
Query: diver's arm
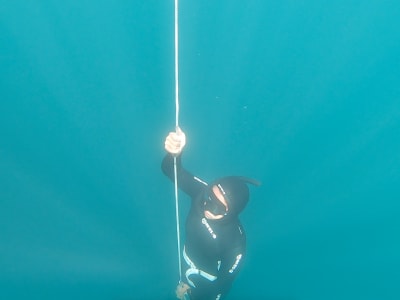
[[174, 144], [187, 182]]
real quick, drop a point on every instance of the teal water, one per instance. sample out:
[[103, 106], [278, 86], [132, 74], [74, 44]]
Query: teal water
[[302, 95]]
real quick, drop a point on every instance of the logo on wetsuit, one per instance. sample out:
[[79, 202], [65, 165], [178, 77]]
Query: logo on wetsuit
[[210, 230]]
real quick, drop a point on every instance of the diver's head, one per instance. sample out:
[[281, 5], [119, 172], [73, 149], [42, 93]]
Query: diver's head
[[227, 196]]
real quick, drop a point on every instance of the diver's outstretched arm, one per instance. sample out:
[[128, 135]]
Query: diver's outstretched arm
[[187, 182]]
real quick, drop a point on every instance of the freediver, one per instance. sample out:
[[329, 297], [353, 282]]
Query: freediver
[[215, 242]]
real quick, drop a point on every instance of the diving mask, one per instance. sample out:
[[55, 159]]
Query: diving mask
[[214, 205]]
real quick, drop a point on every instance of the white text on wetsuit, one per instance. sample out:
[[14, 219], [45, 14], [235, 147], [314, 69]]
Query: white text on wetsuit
[[205, 223]]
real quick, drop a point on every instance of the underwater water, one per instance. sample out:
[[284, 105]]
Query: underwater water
[[302, 95]]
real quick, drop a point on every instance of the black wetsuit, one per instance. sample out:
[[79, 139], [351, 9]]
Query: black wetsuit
[[214, 249]]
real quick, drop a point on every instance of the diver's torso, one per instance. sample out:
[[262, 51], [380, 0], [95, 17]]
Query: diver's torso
[[209, 241]]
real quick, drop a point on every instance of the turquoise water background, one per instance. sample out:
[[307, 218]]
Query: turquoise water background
[[302, 95]]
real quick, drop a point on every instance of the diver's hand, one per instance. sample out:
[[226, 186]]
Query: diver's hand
[[175, 142], [181, 290]]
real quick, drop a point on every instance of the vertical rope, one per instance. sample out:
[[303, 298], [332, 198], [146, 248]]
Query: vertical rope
[[178, 235], [176, 67]]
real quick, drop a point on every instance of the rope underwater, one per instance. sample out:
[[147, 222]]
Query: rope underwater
[[176, 128]]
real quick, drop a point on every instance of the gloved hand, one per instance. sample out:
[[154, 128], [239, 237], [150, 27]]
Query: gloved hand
[[175, 142]]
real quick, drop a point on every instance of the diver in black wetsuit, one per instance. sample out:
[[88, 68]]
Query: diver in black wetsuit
[[215, 244]]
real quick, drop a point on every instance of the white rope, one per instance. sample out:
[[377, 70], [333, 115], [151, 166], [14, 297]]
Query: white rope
[[176, 67], [178, 235]]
